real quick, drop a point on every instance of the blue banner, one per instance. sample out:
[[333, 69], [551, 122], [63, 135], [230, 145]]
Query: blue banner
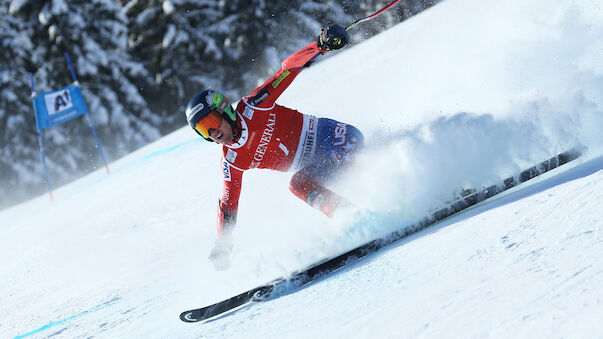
[[56, 107]]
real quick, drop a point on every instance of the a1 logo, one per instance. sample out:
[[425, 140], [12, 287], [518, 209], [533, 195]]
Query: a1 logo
[[57, 101]]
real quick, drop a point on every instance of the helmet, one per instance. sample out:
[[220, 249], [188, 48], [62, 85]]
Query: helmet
[[205, 102]]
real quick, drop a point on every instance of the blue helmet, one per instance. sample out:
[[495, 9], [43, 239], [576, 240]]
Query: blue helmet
[[206, 101]]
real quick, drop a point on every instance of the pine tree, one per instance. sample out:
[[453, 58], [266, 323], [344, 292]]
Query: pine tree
[[19, 173], [94, 34], [139, 62]]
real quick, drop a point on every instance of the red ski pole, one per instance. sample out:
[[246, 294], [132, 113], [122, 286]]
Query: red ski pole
[[367, 18]]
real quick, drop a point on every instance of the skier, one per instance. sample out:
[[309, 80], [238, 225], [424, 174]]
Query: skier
[[263, 134]]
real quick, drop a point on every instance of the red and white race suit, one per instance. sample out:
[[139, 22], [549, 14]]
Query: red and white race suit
[[271, 136]]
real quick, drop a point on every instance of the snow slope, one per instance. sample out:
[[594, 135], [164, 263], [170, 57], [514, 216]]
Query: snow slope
[[462, 95]]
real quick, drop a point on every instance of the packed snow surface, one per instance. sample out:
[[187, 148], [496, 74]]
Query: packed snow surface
[[462, 95]]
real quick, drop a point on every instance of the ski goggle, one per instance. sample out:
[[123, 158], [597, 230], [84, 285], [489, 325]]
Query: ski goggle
[[208, 122]]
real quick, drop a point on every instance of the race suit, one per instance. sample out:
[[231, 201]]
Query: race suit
[[279, 138]]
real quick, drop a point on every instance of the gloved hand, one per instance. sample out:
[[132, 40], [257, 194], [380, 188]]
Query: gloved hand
[[220, 254], [332, 38]]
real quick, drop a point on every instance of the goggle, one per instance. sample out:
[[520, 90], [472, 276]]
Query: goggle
[[208, 122]]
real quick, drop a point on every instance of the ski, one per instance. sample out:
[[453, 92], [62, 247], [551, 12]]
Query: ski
[[231, 304], [297, 279]]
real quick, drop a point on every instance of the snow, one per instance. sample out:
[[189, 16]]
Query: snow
[[16, 5], [463, 94], [169, 36], [482, 274], [168, 7]]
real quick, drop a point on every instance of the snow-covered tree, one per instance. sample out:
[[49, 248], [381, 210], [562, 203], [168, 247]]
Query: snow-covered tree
[[138, 62], [94, 34]]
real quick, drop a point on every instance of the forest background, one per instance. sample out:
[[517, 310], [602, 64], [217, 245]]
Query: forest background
[[138, 63]]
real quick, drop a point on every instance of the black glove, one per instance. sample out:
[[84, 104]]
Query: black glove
[[332, 37]]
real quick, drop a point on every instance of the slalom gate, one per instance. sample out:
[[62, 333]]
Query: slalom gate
[[53, 108]]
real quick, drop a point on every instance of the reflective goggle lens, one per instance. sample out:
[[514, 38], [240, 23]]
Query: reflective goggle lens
[[210, 121]]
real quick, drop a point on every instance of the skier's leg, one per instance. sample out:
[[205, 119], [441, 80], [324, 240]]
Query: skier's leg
[[337, 143], [305, 186]]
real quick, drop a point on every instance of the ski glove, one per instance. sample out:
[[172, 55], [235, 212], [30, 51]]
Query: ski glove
[[332, 38]]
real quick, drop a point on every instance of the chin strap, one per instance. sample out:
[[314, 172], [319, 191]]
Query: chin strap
[[236, 131]]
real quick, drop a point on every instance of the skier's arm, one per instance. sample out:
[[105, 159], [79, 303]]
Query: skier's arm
[[228, 205], [331, 38], [265, 96]]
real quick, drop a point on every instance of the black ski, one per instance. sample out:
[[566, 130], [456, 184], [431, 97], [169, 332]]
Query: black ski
[[224, 306], [297, 279]]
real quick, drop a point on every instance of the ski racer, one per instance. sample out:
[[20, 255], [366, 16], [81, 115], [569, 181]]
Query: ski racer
[[262, 134]]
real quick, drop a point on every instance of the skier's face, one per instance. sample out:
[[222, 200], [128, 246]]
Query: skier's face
[[223, 134]]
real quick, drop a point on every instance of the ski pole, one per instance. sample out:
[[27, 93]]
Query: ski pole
[[367, 18]]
